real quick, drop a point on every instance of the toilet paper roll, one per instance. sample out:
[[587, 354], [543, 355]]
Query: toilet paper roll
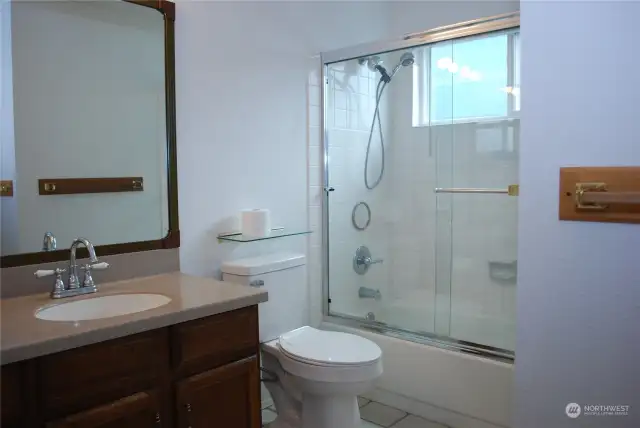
[[255, 223]]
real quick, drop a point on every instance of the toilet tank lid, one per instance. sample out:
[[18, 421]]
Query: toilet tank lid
[[263, 264]]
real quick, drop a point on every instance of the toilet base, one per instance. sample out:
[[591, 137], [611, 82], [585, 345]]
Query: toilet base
[[323, 412], [305, 403], [330, 412]]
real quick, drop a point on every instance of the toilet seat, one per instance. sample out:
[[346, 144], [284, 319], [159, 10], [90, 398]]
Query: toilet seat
[[327, 356], [328, 348]]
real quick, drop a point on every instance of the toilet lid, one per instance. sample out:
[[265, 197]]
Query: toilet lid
[[329, 347]]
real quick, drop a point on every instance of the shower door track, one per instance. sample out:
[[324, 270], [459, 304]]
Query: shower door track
[[424, 338], [449, 32]]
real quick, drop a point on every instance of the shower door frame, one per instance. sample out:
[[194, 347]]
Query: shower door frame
[[474, 27]]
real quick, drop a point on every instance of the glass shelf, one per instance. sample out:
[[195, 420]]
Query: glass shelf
[[275, 233]]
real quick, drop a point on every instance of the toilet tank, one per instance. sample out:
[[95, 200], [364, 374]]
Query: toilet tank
[[284, 276]]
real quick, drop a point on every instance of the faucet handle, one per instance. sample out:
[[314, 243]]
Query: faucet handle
[[97, 266], [40, 273], [58, 286], [88, 279]]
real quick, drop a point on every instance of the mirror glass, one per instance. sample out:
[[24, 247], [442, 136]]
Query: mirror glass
[[83, 97]]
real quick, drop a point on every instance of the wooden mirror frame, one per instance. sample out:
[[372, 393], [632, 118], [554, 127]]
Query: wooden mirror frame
[[172, 240]]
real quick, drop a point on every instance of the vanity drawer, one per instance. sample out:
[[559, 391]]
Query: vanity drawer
[[84, 377], [216, 340]]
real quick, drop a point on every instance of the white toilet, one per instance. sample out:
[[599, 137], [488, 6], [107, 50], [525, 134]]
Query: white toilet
[[317, 374]]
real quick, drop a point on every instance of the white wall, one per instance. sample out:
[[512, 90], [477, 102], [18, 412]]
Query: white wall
[[415, 16], [242, 72], [579, 283], [80, 113]]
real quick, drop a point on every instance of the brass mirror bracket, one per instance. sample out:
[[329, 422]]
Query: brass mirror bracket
[[582, 188], [6, 188]]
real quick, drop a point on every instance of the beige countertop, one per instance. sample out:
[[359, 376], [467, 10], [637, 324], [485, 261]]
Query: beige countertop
[[24, 336]]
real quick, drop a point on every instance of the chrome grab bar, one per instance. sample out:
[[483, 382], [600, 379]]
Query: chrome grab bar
[[512, 190]]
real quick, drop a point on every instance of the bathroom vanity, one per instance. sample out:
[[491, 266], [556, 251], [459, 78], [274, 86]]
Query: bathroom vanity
[[193, 362]]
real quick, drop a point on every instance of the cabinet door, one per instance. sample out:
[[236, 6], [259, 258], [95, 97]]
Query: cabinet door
[[136, 411], [226, 397], [12, 396]]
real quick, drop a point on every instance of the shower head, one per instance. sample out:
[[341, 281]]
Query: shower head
[[374, 63], [406, 60]]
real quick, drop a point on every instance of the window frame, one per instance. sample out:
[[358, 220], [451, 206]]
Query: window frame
[[421, 108]]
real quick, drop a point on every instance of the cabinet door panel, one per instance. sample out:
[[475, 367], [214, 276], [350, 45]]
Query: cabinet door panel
[[228, 396], [86, 377], [136, 411], [210, 342], [12, 396]]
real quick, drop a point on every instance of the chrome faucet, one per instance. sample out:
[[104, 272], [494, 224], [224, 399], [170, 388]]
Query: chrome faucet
[[49, 242], [75, 288], [73, 267]]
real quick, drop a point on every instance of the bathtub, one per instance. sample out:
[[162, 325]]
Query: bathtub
[[450, 387]]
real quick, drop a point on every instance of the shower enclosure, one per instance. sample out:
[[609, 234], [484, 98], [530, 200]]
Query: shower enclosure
[[421, 144]]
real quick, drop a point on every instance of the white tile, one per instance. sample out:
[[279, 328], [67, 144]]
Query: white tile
[[362, 401], [340, 99], [315, 156], [367, 424], [314, 77], [380, 414], [268, 416], [315, 135], [340, 118], [412, 421], [314, 95], [315, 176], [364, 70], [364, 85], [315, 196], [314, 116], [315, 218]]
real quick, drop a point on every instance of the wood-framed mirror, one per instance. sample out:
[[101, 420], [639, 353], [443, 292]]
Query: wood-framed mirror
[[92, 147]]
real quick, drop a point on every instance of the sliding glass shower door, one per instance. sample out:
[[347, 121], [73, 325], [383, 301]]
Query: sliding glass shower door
[[421, 151]]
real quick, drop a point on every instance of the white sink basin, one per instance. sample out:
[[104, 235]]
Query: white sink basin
[[102, 307]]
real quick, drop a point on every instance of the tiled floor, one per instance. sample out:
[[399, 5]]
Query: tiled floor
[[374, 415]]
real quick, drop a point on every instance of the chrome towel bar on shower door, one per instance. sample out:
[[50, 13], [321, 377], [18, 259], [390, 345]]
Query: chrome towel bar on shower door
[[512, 190]]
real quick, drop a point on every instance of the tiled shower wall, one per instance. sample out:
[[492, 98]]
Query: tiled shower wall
[[351, 94]]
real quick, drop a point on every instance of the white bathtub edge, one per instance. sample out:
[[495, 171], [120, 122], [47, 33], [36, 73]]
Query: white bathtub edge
[[457, 389]]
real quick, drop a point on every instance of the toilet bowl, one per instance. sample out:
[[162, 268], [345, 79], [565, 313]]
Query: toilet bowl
[[313, 376], [319, 375]]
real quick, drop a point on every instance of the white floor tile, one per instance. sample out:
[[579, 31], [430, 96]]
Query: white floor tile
[[362, 401], [380, 414], [367, 424], [268, 416], [412, 421]]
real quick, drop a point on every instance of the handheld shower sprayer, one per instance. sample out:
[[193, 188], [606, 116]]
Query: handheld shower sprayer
[[375, 64]]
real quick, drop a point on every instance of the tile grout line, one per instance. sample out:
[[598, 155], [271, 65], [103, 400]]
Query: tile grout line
[[401, 419]]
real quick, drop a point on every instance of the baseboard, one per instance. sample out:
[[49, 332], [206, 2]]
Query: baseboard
[[428, 411]]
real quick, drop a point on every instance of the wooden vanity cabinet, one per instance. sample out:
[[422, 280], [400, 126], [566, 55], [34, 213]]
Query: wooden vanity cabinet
[[12, 399], [225, 395], [138, 410], [199, 374]]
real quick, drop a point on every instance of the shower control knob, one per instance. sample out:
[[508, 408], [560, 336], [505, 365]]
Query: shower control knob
[[362, 260]]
